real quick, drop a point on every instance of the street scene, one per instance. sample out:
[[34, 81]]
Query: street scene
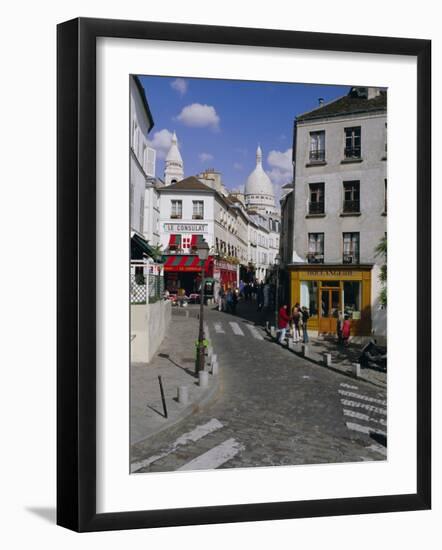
[[258, 288]]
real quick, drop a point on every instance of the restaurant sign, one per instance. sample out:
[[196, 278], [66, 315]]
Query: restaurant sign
[[185, 227], [331, 274]]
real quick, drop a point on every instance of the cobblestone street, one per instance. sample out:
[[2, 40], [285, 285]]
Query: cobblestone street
[[272, 408]]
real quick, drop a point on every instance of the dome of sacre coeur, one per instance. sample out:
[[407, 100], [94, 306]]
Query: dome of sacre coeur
[[258, 183], [174, 154]]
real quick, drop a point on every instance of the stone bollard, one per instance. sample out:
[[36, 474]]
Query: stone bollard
[[203, 378], [183, 395], [215, 369], [209, 351], [327, 359], [304, 350], [273, 332], [290, 343], [356, 370], [213, 358], [267, 326]]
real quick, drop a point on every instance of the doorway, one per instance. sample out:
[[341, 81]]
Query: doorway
[[330, 306]]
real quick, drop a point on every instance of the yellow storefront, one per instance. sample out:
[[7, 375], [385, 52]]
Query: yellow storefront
[[327, 290]]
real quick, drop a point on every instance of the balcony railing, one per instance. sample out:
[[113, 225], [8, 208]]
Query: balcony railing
[[352, 152], [318, 155], [351, 206], [350, 258], [314, 258], [176, 216], [197, 216], [316, 207]]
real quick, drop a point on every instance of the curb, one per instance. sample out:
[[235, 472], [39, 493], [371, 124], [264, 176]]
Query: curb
[[321, 364]]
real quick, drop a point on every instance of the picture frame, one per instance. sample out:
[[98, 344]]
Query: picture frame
[[77, 274]]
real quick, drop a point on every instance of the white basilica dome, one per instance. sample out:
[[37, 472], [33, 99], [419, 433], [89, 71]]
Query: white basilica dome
[[258, 190]]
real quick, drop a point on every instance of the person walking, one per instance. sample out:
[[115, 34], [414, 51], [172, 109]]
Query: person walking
[[221, 297], [296, 317], [234, 300], [260, 296], [283, 322], [305, 317], [339, 324], [229, 300], [346, 330]]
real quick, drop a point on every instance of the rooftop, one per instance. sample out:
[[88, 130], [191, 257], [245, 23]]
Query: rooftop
[[187, 184]]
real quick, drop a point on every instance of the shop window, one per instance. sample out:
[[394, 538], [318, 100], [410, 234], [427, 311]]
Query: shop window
[[309, 296], [198, 210], [352, 299], [352, 202], [315, 253], [316, 203], [186, 242], [352, 143], [177, 209], [317, 146], [350, 248]]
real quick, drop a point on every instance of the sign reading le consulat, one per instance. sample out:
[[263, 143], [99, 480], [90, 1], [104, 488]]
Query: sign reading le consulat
[[186, 227]]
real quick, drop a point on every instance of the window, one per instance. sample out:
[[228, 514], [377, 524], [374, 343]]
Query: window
[[187, 241], [198, 210], [315, 248], [350, 248], [317, 146], [352, 299], [385, 195], [142, 212], [351, 197], [309, 296], [352, 143], [316, 204], [177, 209]]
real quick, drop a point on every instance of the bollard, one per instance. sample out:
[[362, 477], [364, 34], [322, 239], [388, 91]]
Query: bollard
[[203, 379], [304, 350], [183, 395], [213, 358], [209, 351], [215, 369], [327, 359], [290, 343], [356, 369], [267, 326], [272, 332]]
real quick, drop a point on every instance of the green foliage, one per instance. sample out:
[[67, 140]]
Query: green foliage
[[381, 251]]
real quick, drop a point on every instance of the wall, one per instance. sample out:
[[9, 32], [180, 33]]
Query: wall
[[27, 407], [148, 326]]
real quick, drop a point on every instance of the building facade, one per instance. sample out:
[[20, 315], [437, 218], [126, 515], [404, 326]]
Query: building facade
[[339, 212]]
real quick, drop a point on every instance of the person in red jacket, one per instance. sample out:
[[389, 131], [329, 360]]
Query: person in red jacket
[[346, 330], [283, 322]]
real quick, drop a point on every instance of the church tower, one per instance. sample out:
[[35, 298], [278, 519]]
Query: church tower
[[174, 167]]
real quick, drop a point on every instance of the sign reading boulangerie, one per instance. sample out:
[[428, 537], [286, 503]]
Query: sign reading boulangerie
[[186, 227]]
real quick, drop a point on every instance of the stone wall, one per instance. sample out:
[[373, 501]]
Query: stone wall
[[148, 326]]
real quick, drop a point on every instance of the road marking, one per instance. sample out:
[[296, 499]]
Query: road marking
[[365, 417], [348, 386], [357, 405], [364, 429], [215, 457], [236, 328], [378, 449], [255, 332], [218, 328], [196, 434], [363, 397]]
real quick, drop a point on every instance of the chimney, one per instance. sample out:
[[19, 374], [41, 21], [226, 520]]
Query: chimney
[[320, 101]]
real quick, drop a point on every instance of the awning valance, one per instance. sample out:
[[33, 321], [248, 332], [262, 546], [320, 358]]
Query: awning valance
[[182, 262]]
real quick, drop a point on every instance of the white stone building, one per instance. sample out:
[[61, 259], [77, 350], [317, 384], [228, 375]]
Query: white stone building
[[339, 216], [173, 166]]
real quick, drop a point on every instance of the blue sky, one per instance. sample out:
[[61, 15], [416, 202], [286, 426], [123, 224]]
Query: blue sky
[[219, 123]]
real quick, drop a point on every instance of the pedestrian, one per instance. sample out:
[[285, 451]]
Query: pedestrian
[[221, 297], [283, 322], [346, 330], [229, 300], [241, 288], [266, 295], [234, 300], [260, 296], [296, 318], [339, 324], [305, 317]]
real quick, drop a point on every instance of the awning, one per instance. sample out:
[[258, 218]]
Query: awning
[[140, 248], [179, 262], [175, 241]]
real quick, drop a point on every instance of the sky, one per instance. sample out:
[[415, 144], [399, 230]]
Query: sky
[[219, 123]]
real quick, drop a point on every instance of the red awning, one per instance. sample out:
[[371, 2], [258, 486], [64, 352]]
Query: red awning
[[189, 263], [175, 240]]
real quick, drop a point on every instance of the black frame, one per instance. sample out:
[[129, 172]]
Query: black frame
[[76, 293]]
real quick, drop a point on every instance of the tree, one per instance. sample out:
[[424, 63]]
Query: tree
[[381, 251]]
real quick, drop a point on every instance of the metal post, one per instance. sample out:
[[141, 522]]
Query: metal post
[[277, 297], [201, 348]]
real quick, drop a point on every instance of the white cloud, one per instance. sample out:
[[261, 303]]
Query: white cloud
[[199, 116], [161, 142], [180, 85], [238, 166], [281, 169], [205, 157]]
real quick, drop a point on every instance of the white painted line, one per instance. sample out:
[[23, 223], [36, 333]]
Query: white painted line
[[363, 397], [364, 429], [194, 435], [215, 457], [378, 449], [255, 332], [218, 328], [236, 328], [358, 405], [365, 417], [348, 386]]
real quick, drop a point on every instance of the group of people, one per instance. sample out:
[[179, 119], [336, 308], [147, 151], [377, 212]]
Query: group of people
[[295, 322], [227, 300]]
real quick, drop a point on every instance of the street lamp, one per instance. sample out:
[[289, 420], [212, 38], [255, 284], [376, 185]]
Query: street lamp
[[277, 263], [203, 254]]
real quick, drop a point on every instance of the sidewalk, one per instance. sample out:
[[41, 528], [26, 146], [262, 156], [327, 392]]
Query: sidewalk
[[175, 363]]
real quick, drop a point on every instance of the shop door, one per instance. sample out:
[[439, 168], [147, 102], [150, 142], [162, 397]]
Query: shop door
[[330, 305]]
